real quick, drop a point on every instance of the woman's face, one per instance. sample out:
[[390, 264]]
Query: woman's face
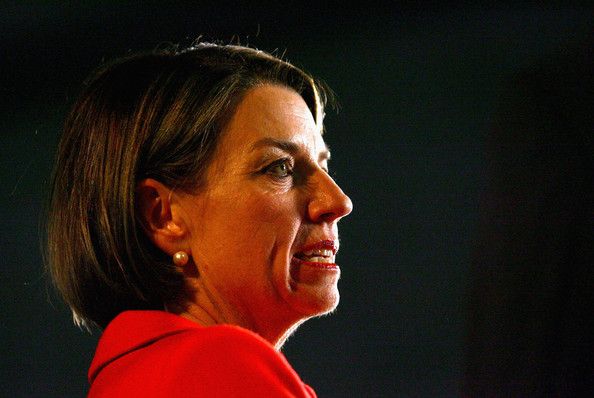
[[263, 231]]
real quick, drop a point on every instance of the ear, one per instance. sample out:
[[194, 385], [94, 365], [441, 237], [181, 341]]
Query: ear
[[160, 219]]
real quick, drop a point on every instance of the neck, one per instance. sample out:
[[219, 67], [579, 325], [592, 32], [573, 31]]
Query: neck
[[202, 308]]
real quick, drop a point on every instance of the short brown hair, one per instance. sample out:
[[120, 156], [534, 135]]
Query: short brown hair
[[152, 115]]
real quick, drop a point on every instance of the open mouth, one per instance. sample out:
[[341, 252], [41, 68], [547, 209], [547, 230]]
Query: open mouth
[[316, 256], [321, 254]]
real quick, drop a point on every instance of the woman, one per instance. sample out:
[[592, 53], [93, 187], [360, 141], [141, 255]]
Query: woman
[[194, 219]]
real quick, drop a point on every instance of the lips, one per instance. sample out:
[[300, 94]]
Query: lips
[[320, 254]]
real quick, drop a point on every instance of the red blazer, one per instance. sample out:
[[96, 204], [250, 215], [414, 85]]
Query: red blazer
[[157, 354]]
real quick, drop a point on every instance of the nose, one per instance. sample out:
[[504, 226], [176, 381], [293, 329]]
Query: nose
[[328, 203]]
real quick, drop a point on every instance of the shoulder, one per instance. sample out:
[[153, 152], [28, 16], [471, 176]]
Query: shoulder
[[228, 360], [216, 341], [222, 361]]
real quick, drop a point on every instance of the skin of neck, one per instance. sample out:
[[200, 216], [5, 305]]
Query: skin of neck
[[202, 307]]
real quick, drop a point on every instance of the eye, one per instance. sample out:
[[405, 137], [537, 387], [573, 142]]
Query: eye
[[281, 168]]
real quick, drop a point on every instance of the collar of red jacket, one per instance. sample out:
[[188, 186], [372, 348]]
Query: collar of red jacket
[[131, 330]]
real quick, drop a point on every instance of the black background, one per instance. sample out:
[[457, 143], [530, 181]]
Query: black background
[[418, 87]]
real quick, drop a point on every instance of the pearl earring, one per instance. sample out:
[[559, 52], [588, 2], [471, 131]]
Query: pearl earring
[[181, 258]]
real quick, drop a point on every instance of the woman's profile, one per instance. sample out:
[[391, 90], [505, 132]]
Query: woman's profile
[[193, 219]]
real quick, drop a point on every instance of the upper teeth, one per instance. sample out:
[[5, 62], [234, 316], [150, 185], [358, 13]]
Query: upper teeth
[[319, 253]]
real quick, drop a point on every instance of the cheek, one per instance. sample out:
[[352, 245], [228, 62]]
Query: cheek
[[270, 209], [249, 221], [244, 239]]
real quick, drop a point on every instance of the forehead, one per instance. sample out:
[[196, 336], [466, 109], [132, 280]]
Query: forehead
[[277, 112]]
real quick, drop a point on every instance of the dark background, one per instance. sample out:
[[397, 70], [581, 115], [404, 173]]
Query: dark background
[[418, 87]]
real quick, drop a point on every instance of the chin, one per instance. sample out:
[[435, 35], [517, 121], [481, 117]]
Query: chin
[[318, 304], [309, 289]]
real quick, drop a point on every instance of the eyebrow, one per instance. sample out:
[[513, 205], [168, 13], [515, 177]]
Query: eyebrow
[[287, 146]]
